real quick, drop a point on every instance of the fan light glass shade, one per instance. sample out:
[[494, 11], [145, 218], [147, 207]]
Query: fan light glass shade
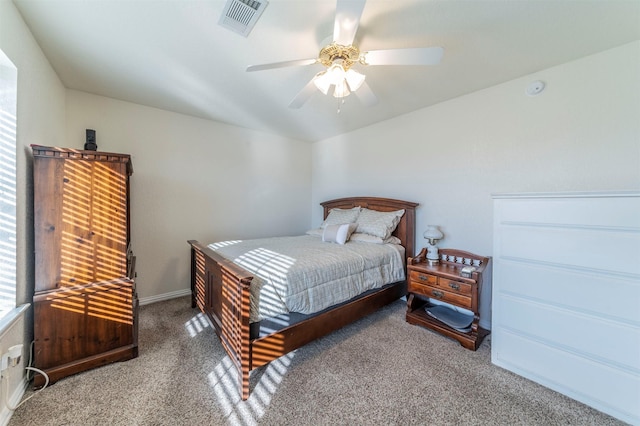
[[322, 82], [344, 82], [354, 79], [341, 90]]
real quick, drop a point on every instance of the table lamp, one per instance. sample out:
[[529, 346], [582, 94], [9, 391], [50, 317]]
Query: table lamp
[[432, 235]]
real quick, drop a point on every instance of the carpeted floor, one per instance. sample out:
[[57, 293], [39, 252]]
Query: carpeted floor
[[378, 371]]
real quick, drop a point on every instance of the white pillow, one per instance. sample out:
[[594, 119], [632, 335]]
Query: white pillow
[[340, 216], [378, 224], [366, 238], [338, 233]]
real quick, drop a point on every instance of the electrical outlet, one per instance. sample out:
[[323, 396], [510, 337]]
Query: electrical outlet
[[12, 357]]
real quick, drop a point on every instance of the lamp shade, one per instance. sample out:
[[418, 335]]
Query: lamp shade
[[354, 79], [341, 90], [322, 82], [344, 82], [336, 72], [432, 233]]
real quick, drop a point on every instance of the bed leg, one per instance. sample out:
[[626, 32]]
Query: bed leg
[[194, 272], [245, 340], [244, 377]]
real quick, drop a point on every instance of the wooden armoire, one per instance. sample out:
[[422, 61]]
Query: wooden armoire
[[85, 301]]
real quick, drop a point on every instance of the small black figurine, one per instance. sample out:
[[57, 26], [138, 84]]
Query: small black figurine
[[91, 145]]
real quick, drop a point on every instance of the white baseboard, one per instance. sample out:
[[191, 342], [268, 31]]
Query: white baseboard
[[165, 296], [16, 397]]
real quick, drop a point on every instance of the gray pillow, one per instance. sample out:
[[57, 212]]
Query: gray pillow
[[340, 216], [368, 238], [378, 224]]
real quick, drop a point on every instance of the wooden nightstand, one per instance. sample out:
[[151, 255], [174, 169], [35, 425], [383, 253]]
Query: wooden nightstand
[[443, 282]]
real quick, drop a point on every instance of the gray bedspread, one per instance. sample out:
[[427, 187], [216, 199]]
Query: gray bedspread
[[303, 274]]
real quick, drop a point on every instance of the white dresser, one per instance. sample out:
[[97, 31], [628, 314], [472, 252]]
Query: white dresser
[[566, 295]]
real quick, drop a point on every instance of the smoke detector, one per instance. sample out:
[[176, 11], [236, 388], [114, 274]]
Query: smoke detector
[[535, 88], [240, 16]]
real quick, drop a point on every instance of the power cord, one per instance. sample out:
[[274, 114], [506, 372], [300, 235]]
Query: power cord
[[28, 368]]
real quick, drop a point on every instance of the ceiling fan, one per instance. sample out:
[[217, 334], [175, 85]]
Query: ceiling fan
[[340, 55]]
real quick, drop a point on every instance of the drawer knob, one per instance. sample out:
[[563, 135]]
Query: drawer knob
[[454, 286], [438, 294], [423, 277]]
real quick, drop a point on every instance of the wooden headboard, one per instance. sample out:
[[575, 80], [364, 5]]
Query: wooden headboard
[[406, 229]]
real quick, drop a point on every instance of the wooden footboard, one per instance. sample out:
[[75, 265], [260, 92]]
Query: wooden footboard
[[221, 290]]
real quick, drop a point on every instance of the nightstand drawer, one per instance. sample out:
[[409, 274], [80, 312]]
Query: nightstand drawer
[[423, 278], [454, 286], [439, 294]]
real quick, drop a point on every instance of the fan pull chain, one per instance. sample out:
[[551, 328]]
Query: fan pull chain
[[340, 103]]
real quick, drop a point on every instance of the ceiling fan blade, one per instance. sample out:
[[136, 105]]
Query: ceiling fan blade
[[411, 56], [348, 13], [304, 95], [297, 62], [365, 95]]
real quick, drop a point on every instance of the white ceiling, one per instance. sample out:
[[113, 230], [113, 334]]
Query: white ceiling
[[172, 54]]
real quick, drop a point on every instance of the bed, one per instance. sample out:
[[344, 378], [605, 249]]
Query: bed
[[221, 289]]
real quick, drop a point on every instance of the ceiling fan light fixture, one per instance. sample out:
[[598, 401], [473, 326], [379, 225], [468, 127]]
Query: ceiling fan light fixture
[[354, 79], [322, 81], [336, 74], [343, 82], [341, 90]]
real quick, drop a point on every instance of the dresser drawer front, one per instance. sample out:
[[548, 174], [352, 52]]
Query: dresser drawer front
[[438, 294], [454, 286], [421, 277]]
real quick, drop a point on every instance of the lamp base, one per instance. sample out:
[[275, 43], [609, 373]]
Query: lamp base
[[432, 253]]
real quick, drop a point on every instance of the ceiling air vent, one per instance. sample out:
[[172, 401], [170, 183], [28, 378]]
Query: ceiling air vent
[[241, 15]]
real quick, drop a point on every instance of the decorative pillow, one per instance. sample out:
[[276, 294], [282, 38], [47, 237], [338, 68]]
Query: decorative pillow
[[366, 238], [378, 224], [340, 216], [338, 233]]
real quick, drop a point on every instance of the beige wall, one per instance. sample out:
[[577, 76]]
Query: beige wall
[[194, 179], [581, 134], [41, 120]]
